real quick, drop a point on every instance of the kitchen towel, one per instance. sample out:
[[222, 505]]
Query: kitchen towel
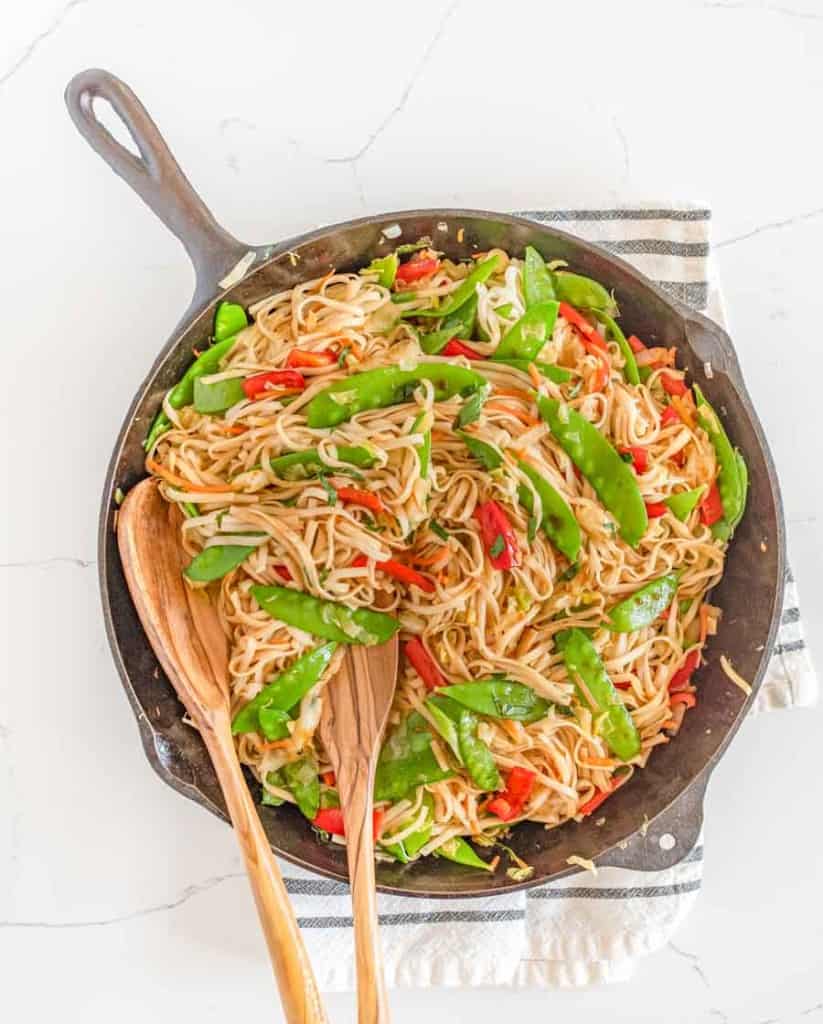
[[583, 929]]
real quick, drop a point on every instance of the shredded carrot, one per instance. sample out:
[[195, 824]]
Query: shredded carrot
[[704, 623], [600, 762], [534, 375], [524, 417], [234, 429], [441, 435], [685, 410], [683, 697], [438, 558], [513, 393], [186, 485], [512, 729]]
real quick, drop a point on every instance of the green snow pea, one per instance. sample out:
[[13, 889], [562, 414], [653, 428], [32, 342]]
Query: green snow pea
[[477, 756], [327, 619], [303, 783], [274, 779], [529, 334], [731, 481], [614, 721], [498, 698], [217, 396], [630, 368], [214, 562], [303, 465], [554, 373], [558, 522], [463, 292], [683, 503], [286, 689], [190, 509], [583, 292], [470, 410], [160, 425], [424, 451], [229, 318], [385, 267], [406, 760], [488, 455], [445, 714], [387, 385], [458, 850], [407, 849], [643, 606], [600, 463], [459, 324], [537, 279], [208, 362], [273, 723]]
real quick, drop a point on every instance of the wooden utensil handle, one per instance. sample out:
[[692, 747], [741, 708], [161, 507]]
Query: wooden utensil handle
[[372, 1001], [298, 988]]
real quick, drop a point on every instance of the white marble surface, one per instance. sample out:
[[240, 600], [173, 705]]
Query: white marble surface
[[118, 899]]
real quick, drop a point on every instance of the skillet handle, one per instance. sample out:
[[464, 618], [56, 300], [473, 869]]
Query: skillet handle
[[154, 175]]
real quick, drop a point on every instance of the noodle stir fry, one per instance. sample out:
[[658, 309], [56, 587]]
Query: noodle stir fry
[[474, 455]]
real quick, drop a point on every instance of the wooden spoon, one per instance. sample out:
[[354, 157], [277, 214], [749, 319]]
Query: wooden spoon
[[356, 707], [185, 632]]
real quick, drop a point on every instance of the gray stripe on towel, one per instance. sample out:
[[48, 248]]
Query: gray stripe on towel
[[654, 247], [637, 892], [603, 215], [440, 917]]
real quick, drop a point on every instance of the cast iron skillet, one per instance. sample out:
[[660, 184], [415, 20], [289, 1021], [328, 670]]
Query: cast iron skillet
[[666, 798]]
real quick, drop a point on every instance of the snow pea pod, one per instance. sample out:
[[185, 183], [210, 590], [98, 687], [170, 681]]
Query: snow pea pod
[[445, 714], [229, 319], [407, 849], [463, 292], [683, 503], [306, 464], [554, 373], [583, 292], [584, 666], [642, 607], [406, 760], [558, 522], [529, 334], [630, 368], [302, 781], [477, 756], [213, 563], [286, 690], [537, 279], [273, 779], [458, 850], [498, 698], [326, 619], [159, 427], [459, 324], [424, 451], [217, 396], [208, 362], [488, 455], [731, 482], [600, 463], [273, 723], [385, 267], [387, 385], [470, 410]]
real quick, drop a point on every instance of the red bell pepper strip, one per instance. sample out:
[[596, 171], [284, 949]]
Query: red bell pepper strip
[[582, 325], [635, 343], [655, 509], [498, 535], [283, 572], [502, 808], [456, 347], [262, 382], [303, 357], [353, 496], [399, 571], [424, 664], [681, 678], [330, 819], [640, 457], [711, 507], [684, 697], [598, 798], [414, 269], [670, 415], [510, 803], [673, 385], [329, 778]]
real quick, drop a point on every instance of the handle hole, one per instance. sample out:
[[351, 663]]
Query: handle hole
[[105, 113]]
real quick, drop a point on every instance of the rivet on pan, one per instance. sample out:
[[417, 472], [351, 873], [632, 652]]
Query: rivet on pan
[[667, 841]]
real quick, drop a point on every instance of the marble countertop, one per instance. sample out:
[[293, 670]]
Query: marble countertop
[[117, 898]]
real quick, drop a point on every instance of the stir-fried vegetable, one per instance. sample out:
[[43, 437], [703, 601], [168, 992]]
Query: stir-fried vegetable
[[529, 334], [406, 760], [326, 619], [644, 605]]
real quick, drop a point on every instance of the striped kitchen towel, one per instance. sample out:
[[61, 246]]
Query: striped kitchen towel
[[582, 929]]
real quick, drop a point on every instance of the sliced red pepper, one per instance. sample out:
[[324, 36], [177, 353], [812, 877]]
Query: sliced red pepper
[[416, 268], [635, 343], [598, 798], [684, 697], [329, 778], [673, 385], [262, 382], [353, 496], [502, 808], [670, 415], [681, 678], [330, 819], [711, 507], [424, 664], [582, 325], [399, 571], [655, 509], [498, 535], [283, 572], [640, 457], [456, 347], [303, 357], [519, 785]]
